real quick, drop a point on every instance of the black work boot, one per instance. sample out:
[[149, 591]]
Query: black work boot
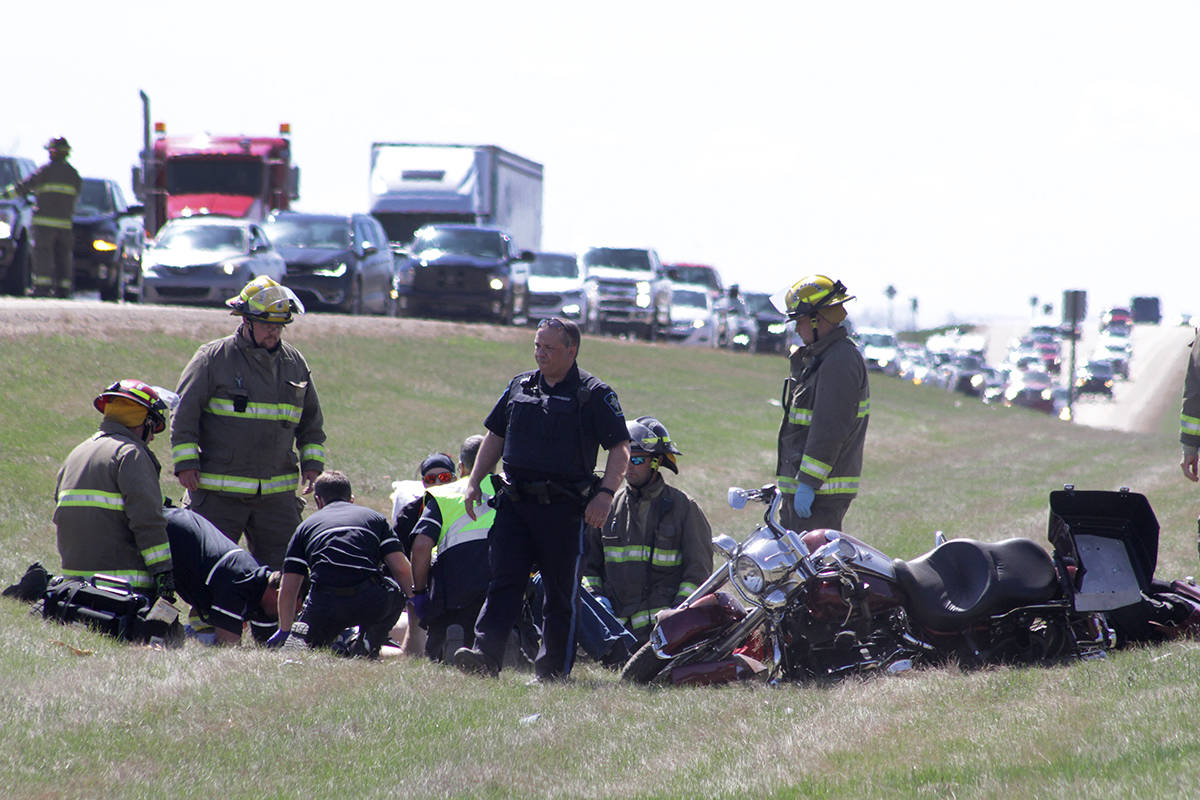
[[475, 662]]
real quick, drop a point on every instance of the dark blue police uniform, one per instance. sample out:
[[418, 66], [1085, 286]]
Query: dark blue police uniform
[[342, 548], [222, 582], [552, 435]]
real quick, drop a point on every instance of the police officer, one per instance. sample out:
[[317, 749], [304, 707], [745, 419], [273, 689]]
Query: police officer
[[224, 585], [656, 546], [826, 407], [246, 401], [57, 187], [108, 504], [548, 426], [343, 549]]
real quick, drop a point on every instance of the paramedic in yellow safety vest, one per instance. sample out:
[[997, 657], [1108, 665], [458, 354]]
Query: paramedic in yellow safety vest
[[655, 548], [108, 504], [56, 185], [826, 407], [450, 557], [247, 403], [1189, 419]]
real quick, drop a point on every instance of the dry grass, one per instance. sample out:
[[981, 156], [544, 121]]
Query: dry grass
[[247, 723]]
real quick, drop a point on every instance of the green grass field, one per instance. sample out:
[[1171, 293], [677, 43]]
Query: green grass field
[[82, 716]]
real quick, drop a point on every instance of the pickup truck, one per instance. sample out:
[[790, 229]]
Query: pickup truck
[[465, 271], [628, 291], [16, 230]]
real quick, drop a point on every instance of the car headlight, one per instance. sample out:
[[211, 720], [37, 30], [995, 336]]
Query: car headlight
[[698, 323], [497, 284], [777, 328], [336, 271], [103, 246], [5, 229], [229, 267], [571, 309], [1047, 394], [748, 574], [882, 362]]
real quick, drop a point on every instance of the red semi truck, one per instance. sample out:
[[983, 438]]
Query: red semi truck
[[235, 176]]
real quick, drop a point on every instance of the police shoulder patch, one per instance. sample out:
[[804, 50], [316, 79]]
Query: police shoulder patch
[[613, 403]]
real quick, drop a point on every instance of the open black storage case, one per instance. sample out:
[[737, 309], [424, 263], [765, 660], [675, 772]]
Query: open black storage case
[[1111, 538]]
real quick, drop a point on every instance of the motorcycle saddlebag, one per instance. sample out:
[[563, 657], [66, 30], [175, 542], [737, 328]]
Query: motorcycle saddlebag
[[111, 607], [1111, 540]]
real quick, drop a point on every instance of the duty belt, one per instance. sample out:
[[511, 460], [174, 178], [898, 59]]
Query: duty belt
[[548, 492]]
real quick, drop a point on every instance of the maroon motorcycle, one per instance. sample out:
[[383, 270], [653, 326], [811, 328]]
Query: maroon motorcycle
[[824, 604]]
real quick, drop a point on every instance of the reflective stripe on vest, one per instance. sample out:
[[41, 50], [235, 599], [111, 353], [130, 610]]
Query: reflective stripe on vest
[[52, 222], [1189, 425], [263, 412], [845, 484], [623, 554], [313, 452], [156, 554], [240, 484], [815, 467], [139, 579], [803, 416], [187, 451], [457, 527], [57, 188], [91, 498]]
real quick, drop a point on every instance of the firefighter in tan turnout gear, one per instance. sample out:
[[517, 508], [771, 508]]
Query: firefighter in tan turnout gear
[[656, 546], [108, 504], [247, 403], [826, 407], [56, 185]]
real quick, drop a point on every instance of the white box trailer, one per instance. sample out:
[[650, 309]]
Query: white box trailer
[[418, 184]]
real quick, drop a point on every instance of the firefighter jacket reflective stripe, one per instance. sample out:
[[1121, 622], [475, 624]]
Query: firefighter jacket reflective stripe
[[459, 573], [1189, 418], [56, 185], [653, 551], [826, 408], [108, 509], [243, 413]]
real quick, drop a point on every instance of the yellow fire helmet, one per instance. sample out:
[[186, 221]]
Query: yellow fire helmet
[[809, 294], [266, 300]]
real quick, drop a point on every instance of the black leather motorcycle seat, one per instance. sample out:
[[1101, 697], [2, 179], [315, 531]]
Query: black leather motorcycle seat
[[954, 585]]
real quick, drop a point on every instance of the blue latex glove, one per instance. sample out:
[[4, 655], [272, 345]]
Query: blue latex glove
[[420, 605], [277, 639], [802, 502], [604, 601]]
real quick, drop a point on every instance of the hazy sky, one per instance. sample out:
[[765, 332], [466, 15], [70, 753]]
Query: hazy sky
[[972, 155]]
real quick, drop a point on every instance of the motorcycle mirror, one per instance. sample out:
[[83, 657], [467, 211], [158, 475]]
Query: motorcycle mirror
[[737, 498], [725, 545]]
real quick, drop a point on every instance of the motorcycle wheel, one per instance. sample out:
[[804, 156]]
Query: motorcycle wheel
[[643, 666]]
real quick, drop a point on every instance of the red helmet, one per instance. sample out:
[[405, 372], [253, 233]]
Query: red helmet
[[141, 393]]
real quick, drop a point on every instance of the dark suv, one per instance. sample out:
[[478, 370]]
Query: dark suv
[[16, 236], [465, 271], [108, 236], [336, 261]]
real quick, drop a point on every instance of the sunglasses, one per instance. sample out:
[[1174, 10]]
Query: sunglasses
[[437, 477], [552, 322], [637, 461]]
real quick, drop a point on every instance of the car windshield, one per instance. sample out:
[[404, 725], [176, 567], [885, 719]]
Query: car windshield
[[878, 340], [555, 267], [689, 297], [761, 304], [8, 172], [1100, 369], [212, 238], [209, 176], [464, 241], [617, 258], [331, 234], [94, 199], [705, 276]]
